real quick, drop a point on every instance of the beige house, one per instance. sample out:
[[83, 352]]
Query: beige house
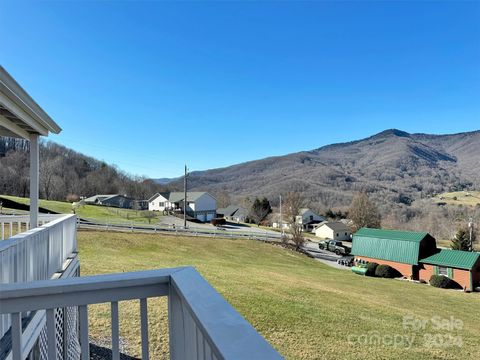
[[334, 230]]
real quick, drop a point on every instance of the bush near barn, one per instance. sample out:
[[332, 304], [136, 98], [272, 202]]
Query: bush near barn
[[443, 282], [371, 267], [386, 271]]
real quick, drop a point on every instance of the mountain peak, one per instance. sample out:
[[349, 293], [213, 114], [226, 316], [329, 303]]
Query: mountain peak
[[391, 132]]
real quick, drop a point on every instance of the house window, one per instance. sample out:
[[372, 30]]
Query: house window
[[442, 270], [337, 235], [311, 217], [161, 204], [345, 234]]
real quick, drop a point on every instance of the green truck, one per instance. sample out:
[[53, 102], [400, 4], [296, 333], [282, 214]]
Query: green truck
[[334, 246]]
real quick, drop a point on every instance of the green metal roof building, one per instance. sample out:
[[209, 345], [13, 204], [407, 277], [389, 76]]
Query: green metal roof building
[[453, 258], [404, 247], [415, 255]]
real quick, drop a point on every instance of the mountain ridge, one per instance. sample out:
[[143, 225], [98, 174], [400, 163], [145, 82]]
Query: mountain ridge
[[392, 165]]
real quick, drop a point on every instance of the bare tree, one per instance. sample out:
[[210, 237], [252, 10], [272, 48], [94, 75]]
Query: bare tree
[[149, 215], [223, 199], [294, 202], [363, 212]]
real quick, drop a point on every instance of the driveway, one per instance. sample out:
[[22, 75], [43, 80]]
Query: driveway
[[325, 256]]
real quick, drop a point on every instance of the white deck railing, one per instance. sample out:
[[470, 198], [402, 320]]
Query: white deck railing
[[36, 254], [202, 325], [11, 224]]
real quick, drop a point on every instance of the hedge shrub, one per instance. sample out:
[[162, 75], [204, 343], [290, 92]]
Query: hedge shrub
[[386, 271], [443, 282], [371, 267]]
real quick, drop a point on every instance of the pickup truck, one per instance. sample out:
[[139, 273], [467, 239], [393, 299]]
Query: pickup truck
[[334, 246]]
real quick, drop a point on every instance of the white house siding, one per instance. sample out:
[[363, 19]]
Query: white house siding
[[155, 205], [205, 207], [205, 202], [337, 233]]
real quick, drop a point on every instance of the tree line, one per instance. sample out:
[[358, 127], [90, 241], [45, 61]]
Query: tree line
[[65, 173], [363, 212]]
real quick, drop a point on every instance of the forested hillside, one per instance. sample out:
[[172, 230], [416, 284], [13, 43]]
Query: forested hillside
[[65, 172], [393, 166], [399, 171]]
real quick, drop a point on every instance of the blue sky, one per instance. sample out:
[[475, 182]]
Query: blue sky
[[150, 86]]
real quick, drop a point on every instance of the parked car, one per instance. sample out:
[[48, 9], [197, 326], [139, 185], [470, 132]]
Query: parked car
[[334, 246]]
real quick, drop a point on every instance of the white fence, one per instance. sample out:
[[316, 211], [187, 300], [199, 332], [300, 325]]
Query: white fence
[[201, 324], [36, 254], [225, 232]]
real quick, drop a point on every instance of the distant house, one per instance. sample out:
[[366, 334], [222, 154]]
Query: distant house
[[275, 219], [415, 255], [113, 200], [140, 204], [308, 219], [233, 213], [200, 205], [335, 230]]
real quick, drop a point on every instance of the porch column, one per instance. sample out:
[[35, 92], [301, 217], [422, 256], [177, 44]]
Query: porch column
[[34, 180]]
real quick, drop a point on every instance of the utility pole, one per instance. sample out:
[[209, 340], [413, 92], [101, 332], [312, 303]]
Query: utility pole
[[185, 202], [281, 217], [470, 228]]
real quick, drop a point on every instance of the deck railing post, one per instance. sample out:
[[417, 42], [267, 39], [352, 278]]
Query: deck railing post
[[176, 326], [84, 342], [115, 331], [34, 179]]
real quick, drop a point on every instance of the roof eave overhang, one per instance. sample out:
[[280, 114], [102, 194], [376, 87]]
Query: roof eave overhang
[[436, 263], [17, 101]]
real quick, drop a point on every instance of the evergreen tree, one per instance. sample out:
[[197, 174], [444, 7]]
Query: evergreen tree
[[260, 209], [461, 241]]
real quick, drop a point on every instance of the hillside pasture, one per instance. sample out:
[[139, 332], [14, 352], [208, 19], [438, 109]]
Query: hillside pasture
[[465, 198], [305, 309]]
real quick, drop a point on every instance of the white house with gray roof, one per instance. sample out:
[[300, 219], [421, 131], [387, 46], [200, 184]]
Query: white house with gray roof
[[308, 219], [334, 230], [200, 204]]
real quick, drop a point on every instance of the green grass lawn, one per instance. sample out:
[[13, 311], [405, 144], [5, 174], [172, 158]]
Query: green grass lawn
[[305, 309], [102, 213]]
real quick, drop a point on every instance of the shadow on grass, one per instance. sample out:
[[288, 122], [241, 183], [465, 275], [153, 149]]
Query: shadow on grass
[[103, 353]]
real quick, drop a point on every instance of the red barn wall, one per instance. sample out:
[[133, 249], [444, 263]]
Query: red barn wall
[[462, 277], [404, 269]]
